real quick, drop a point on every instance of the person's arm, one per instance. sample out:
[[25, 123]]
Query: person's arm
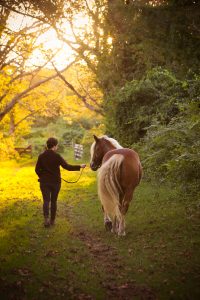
[[38, 167], [69, 167]]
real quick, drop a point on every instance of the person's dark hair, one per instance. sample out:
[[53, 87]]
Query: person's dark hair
[[51, 142]]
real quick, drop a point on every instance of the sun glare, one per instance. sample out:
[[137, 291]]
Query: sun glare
[[48, 42]]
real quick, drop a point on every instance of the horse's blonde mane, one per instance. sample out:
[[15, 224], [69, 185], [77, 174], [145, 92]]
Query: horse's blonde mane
[[113, 142], [92, 150]]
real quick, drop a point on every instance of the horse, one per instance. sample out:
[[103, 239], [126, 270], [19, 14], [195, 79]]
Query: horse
[[119, 172]]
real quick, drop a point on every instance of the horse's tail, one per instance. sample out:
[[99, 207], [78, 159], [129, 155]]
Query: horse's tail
[[109, 188]]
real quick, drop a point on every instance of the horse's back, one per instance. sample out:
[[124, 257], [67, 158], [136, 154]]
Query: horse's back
[[131, 170]]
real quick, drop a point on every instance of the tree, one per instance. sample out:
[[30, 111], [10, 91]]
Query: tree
[[30, 34], [43, 10]]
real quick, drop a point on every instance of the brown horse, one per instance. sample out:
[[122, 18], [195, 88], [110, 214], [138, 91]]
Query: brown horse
[[119, 173]]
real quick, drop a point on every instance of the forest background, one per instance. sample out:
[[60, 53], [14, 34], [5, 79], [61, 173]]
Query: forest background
[[132, 73]]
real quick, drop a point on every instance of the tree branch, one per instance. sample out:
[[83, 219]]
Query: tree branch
[[88, 94], [23, 94], [83, 98], [21, 13]]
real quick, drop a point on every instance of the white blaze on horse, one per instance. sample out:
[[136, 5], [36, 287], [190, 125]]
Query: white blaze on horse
[[119, 173]]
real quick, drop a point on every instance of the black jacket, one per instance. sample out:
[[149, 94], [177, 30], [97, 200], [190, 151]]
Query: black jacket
[[48, 167]]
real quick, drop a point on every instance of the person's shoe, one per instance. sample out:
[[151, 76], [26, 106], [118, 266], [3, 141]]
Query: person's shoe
[[46, 222], [52, 222]]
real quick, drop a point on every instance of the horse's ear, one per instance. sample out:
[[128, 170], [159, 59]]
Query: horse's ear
[[96, 138]]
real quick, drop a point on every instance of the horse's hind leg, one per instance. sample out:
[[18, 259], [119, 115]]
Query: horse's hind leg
[[121, 230], [107, 221], [124, 208], [115, 226]]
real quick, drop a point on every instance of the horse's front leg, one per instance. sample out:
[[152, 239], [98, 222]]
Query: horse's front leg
[[107, 221]]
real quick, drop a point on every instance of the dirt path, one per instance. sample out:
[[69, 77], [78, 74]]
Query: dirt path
[[108, 260]]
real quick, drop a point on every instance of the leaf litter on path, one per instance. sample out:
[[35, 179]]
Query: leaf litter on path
[[107, 258]]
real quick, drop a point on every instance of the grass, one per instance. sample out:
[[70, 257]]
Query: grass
[[77, 259]]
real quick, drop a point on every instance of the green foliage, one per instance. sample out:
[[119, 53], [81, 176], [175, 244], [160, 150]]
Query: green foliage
[[172, 151], [151, 92], [73, 133], [66, 132], [160, 116], [146, 36], [170, 148], [136, 104]]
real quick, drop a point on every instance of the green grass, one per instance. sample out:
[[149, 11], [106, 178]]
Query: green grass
[[77, 259]]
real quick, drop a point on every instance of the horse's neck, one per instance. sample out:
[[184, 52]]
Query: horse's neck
[[108, 147]]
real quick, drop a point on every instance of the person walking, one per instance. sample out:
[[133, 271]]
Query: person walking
[[48, 170]]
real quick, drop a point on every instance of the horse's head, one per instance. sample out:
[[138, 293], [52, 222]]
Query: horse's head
[[97, 153], [99, 148]]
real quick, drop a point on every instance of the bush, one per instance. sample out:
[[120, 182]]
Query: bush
[[170, 149], [134, 106]]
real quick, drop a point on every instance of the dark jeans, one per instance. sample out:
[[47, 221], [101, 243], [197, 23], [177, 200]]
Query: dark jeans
[[50, 194]]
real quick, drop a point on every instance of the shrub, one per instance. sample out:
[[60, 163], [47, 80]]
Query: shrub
[[170, 149]]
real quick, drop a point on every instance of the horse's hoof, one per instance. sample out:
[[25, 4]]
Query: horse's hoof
[[108, 225], [122, 233]]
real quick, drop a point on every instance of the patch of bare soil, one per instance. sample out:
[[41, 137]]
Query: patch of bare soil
[[108, 260], [14, 291]]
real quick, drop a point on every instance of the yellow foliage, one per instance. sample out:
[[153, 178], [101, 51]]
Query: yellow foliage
[[52, 99], [7, 147]]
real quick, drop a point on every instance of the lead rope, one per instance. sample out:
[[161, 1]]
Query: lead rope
[[75, 180]]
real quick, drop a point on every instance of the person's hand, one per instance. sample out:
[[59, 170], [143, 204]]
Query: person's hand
[[83, 166]]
